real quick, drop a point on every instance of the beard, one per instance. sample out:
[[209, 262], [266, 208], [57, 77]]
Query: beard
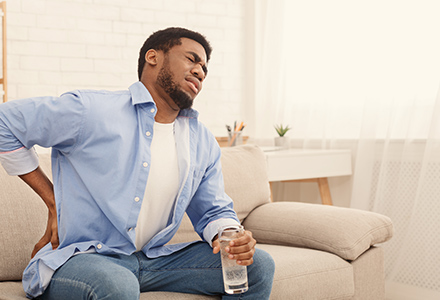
[[173, 89]]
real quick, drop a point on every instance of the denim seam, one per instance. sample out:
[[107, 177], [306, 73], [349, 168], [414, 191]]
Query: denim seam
[[137, 272], [78, 283]]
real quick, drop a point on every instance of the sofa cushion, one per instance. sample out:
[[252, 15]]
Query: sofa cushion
[[343, 231], [175, 296], [299, 272], [12, 290], [245, 176], [23, 218]]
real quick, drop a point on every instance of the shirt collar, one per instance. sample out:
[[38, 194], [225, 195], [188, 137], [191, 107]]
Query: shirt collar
[[140, 94], [188, 113]]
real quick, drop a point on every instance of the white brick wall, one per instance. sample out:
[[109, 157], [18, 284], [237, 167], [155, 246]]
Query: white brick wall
[[59, 45]]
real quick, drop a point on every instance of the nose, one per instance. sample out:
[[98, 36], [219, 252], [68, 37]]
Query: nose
[[198, 72]]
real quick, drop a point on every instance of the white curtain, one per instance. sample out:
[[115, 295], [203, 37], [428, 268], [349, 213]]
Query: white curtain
[[364, 75]]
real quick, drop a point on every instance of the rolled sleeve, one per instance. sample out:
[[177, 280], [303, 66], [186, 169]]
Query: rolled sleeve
[[212, 228], [20, 161]]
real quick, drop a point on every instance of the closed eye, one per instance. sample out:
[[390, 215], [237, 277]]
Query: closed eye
[[195, 58]]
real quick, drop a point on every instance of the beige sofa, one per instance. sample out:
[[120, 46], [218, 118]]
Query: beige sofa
[[321, 252]]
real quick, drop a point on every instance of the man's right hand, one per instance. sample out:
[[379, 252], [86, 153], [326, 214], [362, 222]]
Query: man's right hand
[[39, 182], [50, 236]]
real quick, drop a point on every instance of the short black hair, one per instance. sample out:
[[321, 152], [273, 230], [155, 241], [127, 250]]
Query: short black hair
[[166, 39]]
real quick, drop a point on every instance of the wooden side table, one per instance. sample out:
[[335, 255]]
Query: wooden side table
[[298, 165], [223, 140]]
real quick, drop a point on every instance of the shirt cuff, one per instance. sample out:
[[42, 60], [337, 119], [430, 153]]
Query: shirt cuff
[[212, 228], [20, 161]]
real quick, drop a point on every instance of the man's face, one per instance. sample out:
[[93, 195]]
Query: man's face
[[182, 72]]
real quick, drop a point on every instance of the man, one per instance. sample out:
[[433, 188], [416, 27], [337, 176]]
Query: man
[[126, 167]]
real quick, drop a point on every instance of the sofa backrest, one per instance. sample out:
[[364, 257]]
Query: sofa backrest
[[245, 175], [23, 215], [23, 218], [246, 182]]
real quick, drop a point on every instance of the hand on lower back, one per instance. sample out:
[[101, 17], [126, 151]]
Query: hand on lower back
[[50, 236]]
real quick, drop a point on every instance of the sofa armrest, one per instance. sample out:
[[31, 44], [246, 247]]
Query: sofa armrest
[[345, 232]]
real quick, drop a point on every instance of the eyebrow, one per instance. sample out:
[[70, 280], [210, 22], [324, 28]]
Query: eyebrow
[[197, 59]]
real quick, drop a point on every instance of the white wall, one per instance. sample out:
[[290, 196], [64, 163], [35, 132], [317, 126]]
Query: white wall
[[58, 45]]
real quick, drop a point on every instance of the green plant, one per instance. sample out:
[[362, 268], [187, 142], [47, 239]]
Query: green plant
[[282, 130]]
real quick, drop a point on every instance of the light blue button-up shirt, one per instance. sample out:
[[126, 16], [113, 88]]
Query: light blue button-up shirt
[[100, 164]]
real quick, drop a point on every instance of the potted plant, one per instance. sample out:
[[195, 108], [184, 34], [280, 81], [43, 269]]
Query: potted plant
[[282, 140]]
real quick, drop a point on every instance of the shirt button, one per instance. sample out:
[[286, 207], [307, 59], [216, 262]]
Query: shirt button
[[130, 229], [147, 133], [99, 246], [137, 199], [152, 110], [145, 164]]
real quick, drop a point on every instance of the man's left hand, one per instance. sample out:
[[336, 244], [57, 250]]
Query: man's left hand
[[241, 249]]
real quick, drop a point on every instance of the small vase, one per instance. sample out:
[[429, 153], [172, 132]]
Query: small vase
[[282, 142]]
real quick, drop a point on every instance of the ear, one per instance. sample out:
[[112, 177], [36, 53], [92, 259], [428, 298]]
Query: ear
[[151, 57]]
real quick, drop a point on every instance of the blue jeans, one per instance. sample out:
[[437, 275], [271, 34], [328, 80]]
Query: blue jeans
[[193, 270]]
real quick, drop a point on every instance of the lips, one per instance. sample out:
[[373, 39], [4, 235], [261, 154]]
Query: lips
[[194, 84]]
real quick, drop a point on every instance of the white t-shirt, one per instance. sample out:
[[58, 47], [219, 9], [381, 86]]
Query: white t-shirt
[[162, 185]]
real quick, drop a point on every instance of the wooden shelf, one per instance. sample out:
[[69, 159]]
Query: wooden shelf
[[223, 140]]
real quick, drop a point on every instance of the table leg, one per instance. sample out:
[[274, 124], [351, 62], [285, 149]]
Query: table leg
[[271, 192], [324, 190]]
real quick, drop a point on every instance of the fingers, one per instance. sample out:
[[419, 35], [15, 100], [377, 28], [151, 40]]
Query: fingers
[[53, 225], [54, 237], [245, 239], [215, 246], [37, 248], [242, 249], [50, 236], [246, 262], [245, 258], [248, 248], [41, 243], [55, 241]]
